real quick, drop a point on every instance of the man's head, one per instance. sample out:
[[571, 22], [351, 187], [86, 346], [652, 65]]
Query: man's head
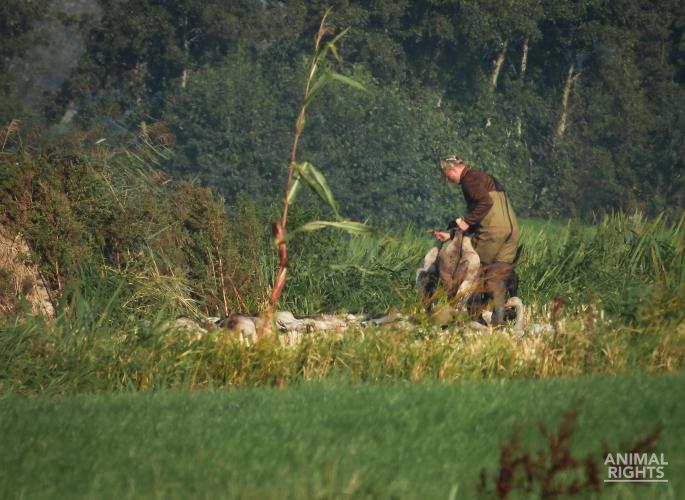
[[452, 166]]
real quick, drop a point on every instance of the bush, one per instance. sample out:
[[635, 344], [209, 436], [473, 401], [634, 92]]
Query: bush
[[81, 209]]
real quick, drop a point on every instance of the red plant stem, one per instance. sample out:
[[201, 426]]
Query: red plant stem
[[280, 230]]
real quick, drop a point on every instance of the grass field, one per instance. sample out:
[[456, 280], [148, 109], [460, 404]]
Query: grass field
[[111, 398], [321, 440], [103, 402]]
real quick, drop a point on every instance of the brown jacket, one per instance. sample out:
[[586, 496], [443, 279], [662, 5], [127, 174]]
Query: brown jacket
[[489, 207], [476, 185]]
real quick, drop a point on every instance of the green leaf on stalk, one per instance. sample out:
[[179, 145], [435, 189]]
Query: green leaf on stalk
[[294, 189], [331, 46], [347, 80], [334, 51], [323, 80], [356, 267], [351, 227], [317, 182], [337, 37]]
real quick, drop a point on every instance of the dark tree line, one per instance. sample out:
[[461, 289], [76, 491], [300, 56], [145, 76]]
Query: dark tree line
[[576, 105]]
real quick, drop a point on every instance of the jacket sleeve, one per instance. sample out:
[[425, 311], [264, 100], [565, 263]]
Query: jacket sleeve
[[476, 189]]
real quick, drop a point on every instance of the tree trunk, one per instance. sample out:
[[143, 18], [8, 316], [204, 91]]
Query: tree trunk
[[186, 53], [522, 74], [524, 58], [568, 88], [497, 64]]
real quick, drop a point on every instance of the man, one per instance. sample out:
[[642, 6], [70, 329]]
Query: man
[[491, 219]]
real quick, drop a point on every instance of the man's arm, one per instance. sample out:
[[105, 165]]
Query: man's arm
[[474, 184]]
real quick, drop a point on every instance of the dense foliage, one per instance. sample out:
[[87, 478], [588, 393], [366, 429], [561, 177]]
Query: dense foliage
[[575, 105], [87, 209], [104, 222], [127, 249]]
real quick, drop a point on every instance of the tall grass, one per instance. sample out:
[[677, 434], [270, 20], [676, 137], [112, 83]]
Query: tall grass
[[632, 266], [94, 347], [356, 274], [155, 250], [623, 283]]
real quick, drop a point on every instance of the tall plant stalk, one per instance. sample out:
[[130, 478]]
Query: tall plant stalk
[[305, 171]]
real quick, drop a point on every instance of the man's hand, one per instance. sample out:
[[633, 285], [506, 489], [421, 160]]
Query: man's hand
[[461, 224], [441, 235]]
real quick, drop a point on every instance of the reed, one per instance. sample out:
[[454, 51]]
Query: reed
[[305, 173], [94, 347]]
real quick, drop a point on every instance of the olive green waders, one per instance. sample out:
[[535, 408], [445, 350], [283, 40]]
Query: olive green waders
[[496, 246], [499, 232]]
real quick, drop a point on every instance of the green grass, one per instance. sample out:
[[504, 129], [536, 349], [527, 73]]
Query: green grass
[[67, 357], [622, 282], [322, 439], [630, 266]]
